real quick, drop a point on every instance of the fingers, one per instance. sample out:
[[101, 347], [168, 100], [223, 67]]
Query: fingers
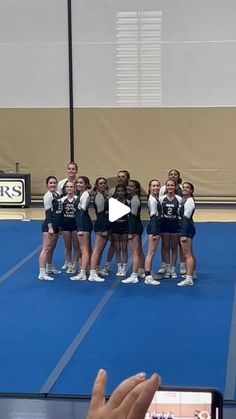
[[121, 392], [143, 397], [98, 392]]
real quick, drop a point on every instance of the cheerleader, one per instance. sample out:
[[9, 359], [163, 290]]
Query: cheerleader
[[187, 232], [84, 226], [123, 177], [72, 170], [50, 229], [101, 226], [173, 174], [119, 232], [68, 227], [153, 229], [170, 227], [135, 233]]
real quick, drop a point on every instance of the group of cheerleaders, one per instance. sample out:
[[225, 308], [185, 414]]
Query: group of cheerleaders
[[171, 208]]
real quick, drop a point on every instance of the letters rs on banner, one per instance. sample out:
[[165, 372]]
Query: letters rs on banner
[[15, 190], [12, 191]]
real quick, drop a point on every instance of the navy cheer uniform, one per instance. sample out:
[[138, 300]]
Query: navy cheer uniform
[[68, 213], [186, 224], [101, 209], [135, 224], [155, 210], [53, 209], [170, 209], [82, 217]]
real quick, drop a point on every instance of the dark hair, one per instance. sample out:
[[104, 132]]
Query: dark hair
[[97, 182], [86, 181], [137, 186], [126, 172], [122, 186], [179, 180], [149, 184], [191, 187], [75, 164], [51, 177]]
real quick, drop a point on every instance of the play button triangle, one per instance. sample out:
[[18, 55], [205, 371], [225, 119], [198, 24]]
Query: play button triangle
[[117, 209]]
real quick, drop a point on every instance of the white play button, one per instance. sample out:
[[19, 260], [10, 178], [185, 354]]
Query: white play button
[[117, 209]]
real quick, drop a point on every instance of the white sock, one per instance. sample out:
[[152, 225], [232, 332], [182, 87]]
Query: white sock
[[42, 271], [182, 265], [93, 271], [83, 271]]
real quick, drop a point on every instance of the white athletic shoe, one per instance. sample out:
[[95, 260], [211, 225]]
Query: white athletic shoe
[[94, 277], [80, 277], [105, 271], [194, 276], [119, 271], [185, 282], [53, 270], [173, 273], [157, 276], [65, 266], [132, 279], [167, 272], [182, 270], [141, 273], [123, 271], [45, 277], [162, 269], [70, 268], [149, 280]]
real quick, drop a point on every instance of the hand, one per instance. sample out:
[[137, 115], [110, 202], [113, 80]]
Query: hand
[[130, 236], [80, 233], [130, 400], [50, 230], [154, 237], [183, 239]]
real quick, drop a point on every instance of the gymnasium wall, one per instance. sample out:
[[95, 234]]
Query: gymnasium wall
[[154, 89]]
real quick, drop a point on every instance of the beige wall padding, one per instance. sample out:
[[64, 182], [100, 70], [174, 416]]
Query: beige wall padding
[[200, 142], [38, 139]]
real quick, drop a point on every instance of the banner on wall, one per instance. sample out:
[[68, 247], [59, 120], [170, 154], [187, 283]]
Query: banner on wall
[[15, 190]]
